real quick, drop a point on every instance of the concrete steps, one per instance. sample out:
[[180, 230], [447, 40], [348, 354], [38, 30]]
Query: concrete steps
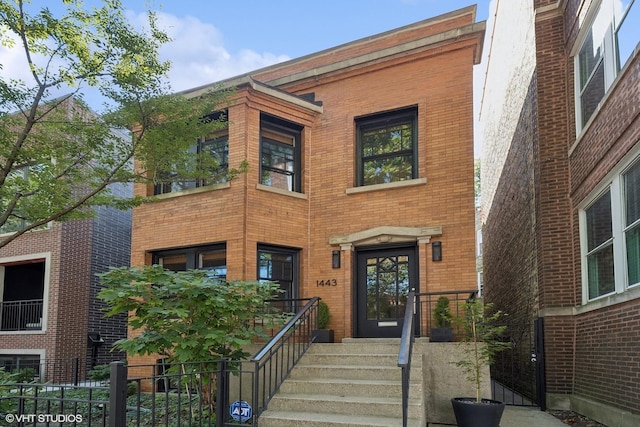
[[354, 383]]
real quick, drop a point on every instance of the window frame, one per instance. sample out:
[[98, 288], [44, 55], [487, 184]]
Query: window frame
[[275, 132], [382, 120], [286, 251], [615, 185], [600, 13], [193, 255], [221, 138]]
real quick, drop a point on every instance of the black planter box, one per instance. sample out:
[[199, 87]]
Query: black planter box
[[322, 335], [441, 335]]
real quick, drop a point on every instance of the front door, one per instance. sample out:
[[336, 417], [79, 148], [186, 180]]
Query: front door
[[384, 278]]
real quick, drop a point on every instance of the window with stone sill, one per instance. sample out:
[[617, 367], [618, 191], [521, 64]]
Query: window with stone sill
[[610, 236], [209, 157], [605, 48], [386, 147], [280, 153]]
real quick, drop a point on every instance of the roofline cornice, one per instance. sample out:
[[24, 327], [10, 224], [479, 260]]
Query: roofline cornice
[[474, 30]]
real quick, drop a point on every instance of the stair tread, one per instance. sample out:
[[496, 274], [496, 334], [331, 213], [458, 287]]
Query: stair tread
[[350, 420], [349, 398], [345, 381]]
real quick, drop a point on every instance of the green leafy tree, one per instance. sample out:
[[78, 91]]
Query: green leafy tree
[[57, 158], [187, 316], [484, 336]]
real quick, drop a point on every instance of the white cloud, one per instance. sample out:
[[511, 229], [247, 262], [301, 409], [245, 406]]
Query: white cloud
[[198, 55]]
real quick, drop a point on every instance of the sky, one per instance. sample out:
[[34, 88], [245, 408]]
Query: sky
[[214, 40]]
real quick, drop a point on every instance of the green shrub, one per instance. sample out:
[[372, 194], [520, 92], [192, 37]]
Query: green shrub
[[324, 317]]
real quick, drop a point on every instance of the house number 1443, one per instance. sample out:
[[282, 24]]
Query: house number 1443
[[328, 282]]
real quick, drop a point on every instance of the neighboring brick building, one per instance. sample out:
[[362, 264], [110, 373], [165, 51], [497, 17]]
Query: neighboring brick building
[[560, 125], [48, 305], [360, 156]]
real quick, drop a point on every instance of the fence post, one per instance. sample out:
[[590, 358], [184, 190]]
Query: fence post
[[76, 370], [118, 394], [222, 393]]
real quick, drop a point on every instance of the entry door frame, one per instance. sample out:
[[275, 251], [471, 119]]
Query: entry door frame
[[359, 300]]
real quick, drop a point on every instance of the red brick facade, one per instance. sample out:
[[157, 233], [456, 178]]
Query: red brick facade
[[426, 67], [591, 344]]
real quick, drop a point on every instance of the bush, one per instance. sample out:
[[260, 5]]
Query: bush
[[324, 317], [100, 373]]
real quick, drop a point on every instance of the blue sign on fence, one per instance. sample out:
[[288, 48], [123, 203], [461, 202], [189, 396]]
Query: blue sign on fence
[[240, 411]]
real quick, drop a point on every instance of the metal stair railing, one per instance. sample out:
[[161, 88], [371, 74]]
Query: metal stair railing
[[278, 357], [404, 355]]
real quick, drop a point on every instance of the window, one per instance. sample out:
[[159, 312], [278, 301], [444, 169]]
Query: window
[[26, 365], [387, 147], [211, 258], [604, 50], [632, 223], [22, 285], [279, 265], [206, 163], [600, 247], [610, 233], [280, 153]]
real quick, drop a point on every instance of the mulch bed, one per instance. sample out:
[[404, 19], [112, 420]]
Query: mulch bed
[[574, 419]]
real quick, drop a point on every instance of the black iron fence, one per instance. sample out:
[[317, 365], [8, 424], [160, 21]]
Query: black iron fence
[[213, 393], [428, 314]]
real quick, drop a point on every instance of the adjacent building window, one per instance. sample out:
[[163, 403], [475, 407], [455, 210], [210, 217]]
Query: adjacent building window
[[280, 265], [206, 164], [632, 222], [610, 233], [604, 50], [22, 285], [387, 147], [211, 258], [280, 156]]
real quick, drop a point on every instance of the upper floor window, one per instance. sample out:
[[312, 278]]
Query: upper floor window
[[280, 156], [22, 288], [387, 147], [607, 45], [212, 258], [206, 163], [610, 233]]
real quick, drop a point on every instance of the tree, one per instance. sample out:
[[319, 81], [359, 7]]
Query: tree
[[57, 158], [187, 316]]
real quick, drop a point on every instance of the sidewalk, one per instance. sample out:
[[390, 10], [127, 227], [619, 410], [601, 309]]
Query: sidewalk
[[522, 416]]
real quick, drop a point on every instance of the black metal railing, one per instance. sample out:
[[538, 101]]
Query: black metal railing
[[277, 358], [426, 309], [404, 355], [23, 315]]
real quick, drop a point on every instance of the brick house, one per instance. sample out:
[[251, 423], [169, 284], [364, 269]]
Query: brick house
[[560, 126], [360, 157], [49, 314]]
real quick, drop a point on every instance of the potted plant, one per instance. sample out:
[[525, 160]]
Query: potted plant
[[322, 334], [442, 332], [482, 337]]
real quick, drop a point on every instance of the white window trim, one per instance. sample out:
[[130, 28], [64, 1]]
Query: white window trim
[[609, 58], [45, 292], [613, 182]]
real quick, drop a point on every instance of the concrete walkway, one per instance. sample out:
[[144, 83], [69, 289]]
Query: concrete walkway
[[520, 416]]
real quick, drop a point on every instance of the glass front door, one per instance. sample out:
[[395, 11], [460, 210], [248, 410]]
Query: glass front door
[[384, 279]]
